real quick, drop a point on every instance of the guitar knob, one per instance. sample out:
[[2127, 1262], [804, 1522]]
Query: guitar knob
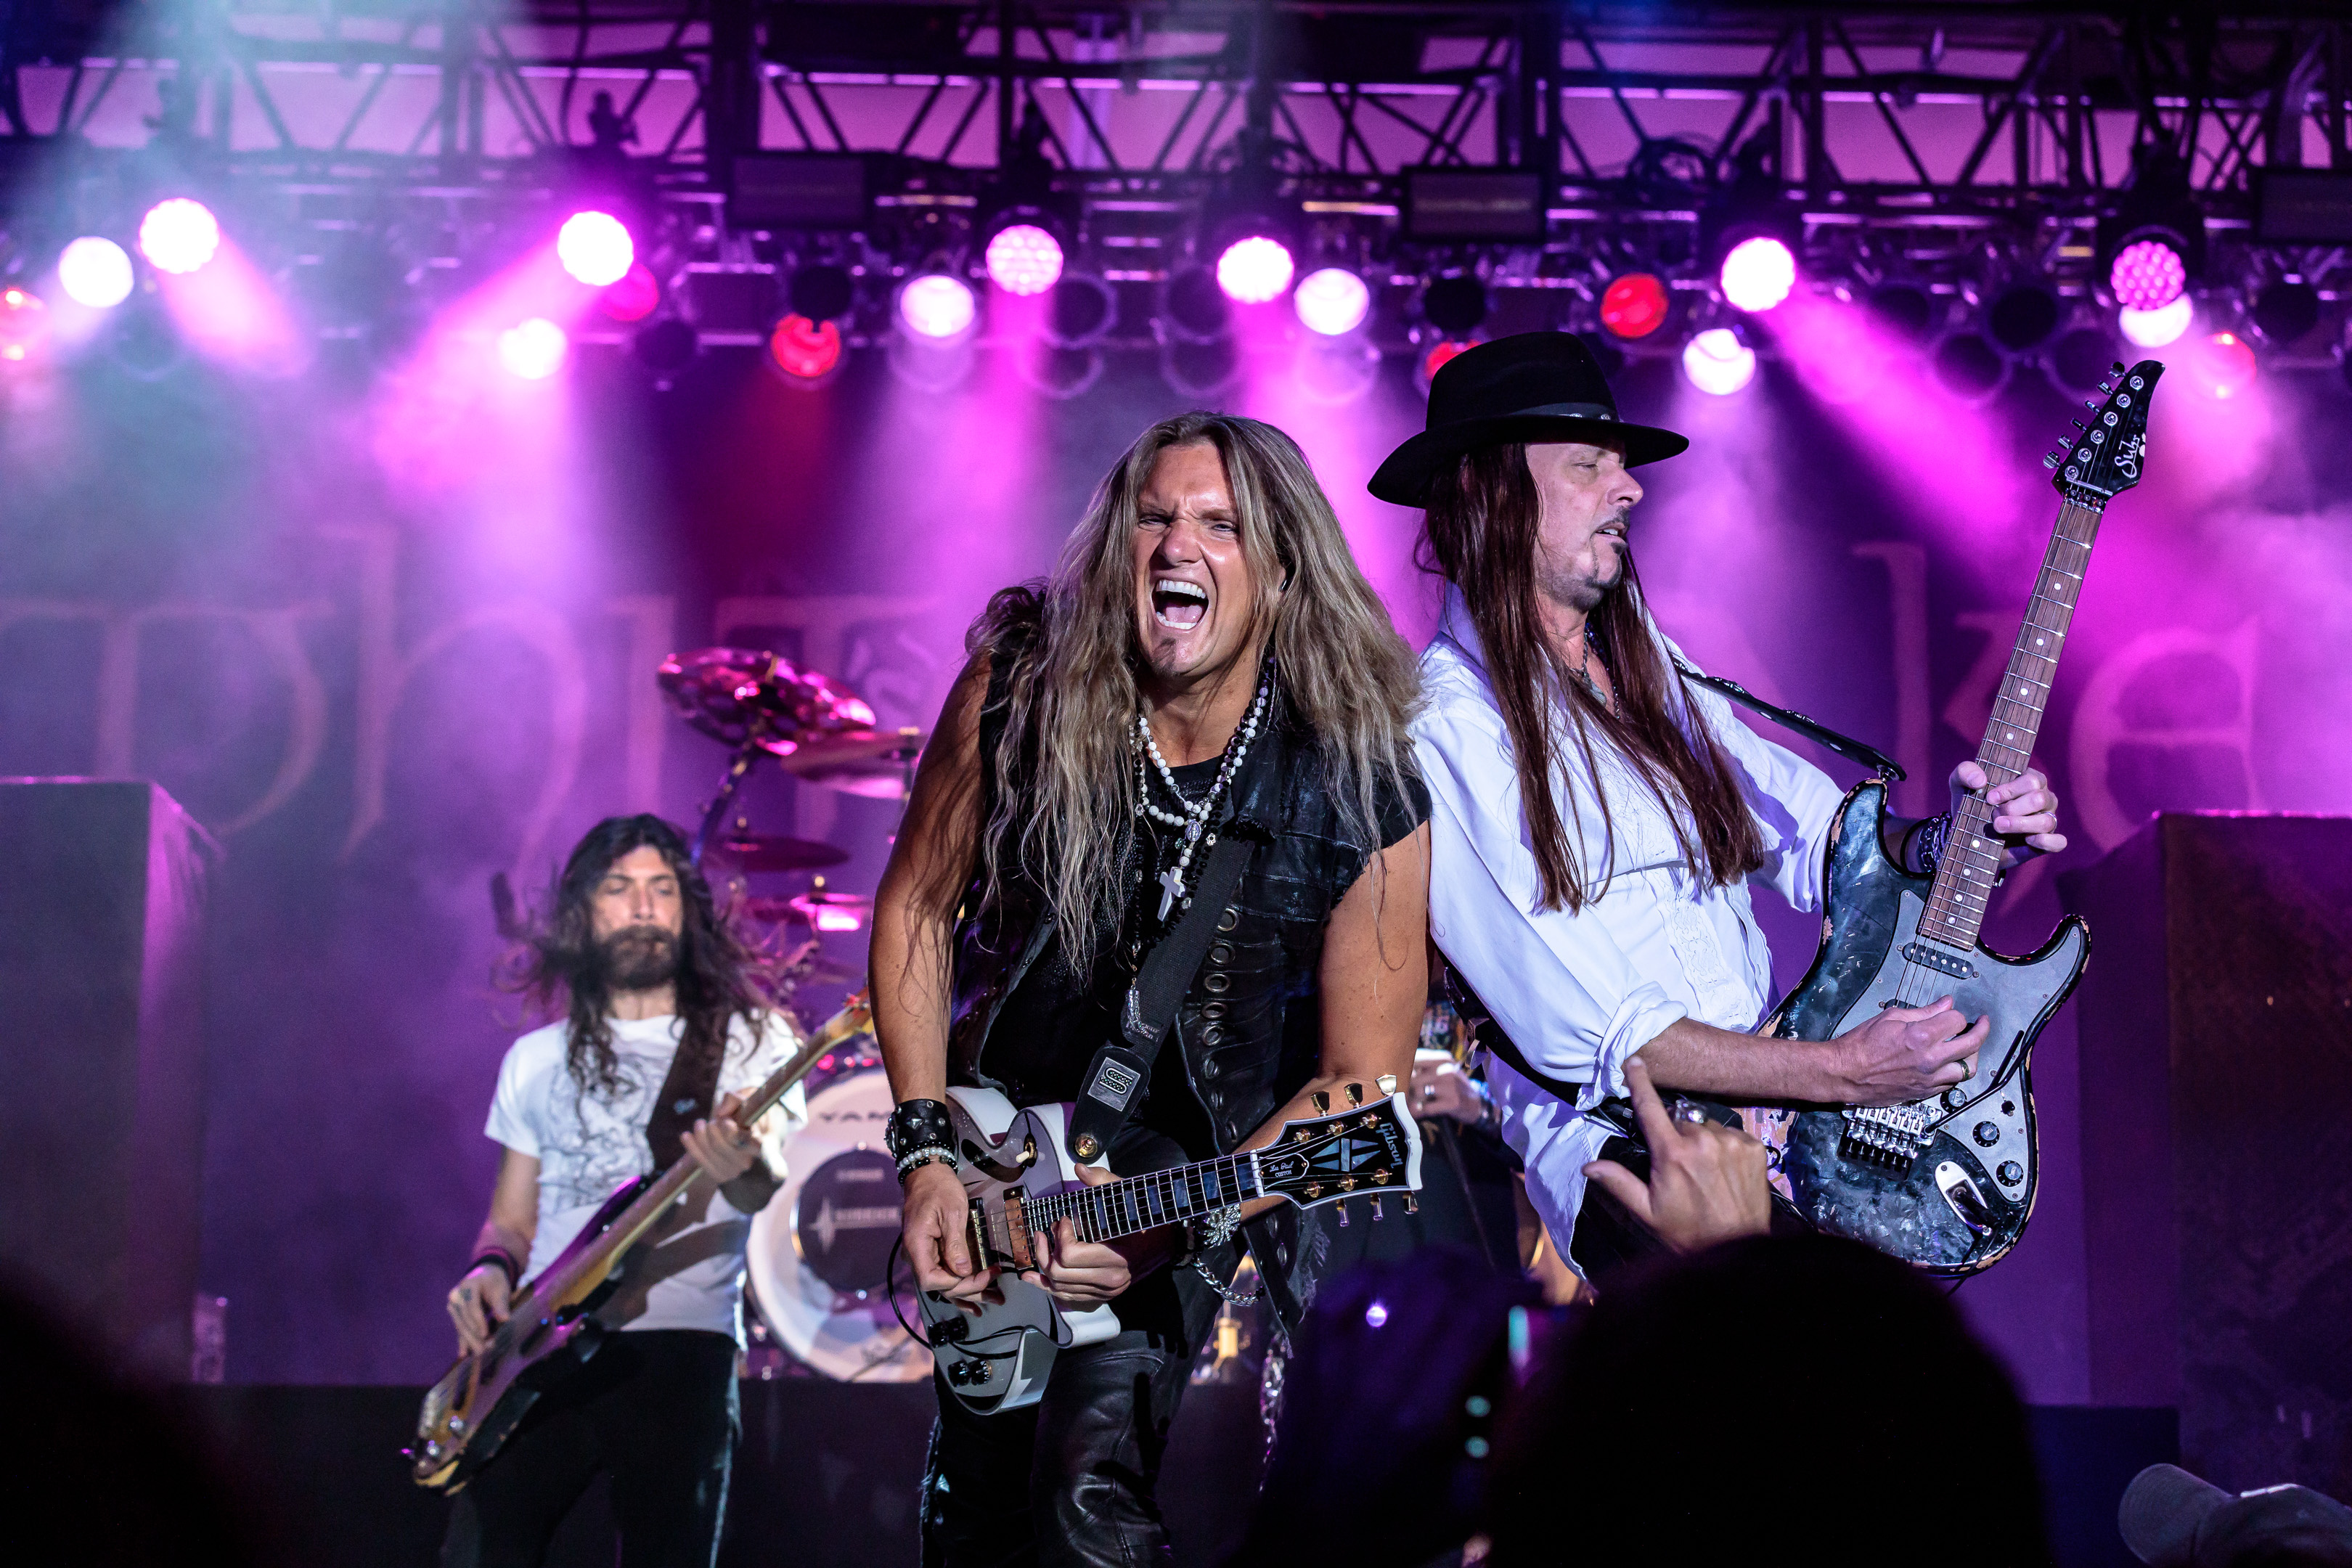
[[2010, 1172], [1956, 1097], [1987, 1133]]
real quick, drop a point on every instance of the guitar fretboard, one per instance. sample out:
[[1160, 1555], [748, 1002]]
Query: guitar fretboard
[[1140, 1202], [1964, 881]]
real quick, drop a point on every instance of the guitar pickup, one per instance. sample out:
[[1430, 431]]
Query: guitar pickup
[[1937, 959]]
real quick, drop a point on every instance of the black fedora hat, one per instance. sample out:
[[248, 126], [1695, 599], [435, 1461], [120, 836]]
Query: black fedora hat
[[1531, 387]]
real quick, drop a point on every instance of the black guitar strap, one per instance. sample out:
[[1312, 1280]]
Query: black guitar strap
[[1812, 730], [1121, 1066], [687, 1092]]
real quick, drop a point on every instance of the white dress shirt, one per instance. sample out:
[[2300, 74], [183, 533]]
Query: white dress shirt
[[1578, 993]]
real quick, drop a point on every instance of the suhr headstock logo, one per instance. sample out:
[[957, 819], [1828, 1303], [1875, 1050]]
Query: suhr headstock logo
[[2127, 455]]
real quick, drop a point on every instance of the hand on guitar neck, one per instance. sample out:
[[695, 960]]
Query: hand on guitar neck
[[1082, 1273]]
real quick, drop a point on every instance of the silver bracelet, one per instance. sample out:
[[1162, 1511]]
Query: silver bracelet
[[930, 1153]]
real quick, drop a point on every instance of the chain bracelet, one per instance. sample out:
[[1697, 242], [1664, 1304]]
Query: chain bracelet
[[1213, 1231]]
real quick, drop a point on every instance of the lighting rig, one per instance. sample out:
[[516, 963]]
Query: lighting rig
[[1396, 184]]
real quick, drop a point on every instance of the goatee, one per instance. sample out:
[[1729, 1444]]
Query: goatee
[[637, 959]]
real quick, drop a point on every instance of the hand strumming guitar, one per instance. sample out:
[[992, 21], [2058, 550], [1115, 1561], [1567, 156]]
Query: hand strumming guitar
[[932, 1231]]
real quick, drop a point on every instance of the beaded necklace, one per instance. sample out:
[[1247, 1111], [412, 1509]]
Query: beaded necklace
[[1195, 817]]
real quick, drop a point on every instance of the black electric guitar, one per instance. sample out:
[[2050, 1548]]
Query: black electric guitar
[[1947, 1183], [551, 1328], [1019, 1184]]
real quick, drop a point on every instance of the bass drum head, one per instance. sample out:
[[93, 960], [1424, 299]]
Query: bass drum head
[[818, 1252]]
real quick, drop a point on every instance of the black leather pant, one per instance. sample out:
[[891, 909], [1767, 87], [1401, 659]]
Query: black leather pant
[[1070, 1479]]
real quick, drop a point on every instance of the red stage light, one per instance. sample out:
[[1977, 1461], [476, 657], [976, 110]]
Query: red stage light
[[635, 296], [2223, 365], [1634, 306], [24, 322], [804, 349], [1434, 360]]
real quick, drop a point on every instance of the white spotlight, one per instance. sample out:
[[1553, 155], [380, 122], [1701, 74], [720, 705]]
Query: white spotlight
[[95, 272], [2158, 328], [1718, 362], [1332, 301]]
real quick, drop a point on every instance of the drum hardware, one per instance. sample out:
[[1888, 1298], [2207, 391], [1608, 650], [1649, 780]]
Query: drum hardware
[[748, 851], [878, 764], [762, 705]]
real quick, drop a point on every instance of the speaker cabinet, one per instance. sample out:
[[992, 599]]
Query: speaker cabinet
[[2216, 1029]]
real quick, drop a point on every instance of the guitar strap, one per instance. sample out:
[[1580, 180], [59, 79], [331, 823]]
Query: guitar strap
[[1121, 1066], [686, 1097], [1812, 730]]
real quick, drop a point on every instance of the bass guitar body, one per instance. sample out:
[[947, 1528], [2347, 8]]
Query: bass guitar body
[[1947, 1183]]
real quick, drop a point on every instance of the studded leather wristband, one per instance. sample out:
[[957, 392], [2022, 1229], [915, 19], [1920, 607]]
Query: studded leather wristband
[[918, 1124]]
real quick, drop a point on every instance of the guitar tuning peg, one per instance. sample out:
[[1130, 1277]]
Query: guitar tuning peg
[[1411, 1203], [2117, 369], [1320, 1100], [1376, 1209], [2048, 462], [2080, 426], [1343, 1213], [1387, 1082], [1355, 1094]]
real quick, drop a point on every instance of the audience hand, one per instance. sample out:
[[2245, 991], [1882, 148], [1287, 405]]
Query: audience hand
[[1707, 1182]]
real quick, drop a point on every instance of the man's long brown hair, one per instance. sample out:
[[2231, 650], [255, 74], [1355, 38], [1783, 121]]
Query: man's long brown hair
[[720, 975], [1481, 528]]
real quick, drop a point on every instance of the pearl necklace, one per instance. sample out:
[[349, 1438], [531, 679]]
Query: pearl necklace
[[1195, 817]]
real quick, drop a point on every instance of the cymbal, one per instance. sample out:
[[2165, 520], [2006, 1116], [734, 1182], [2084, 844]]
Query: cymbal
[[752, 697], [773, 852], [820, 908], [878, 764]]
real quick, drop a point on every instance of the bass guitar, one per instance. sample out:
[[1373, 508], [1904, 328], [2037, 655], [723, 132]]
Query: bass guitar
[[1947, 1183], [1019, 1183], [551, 1327]]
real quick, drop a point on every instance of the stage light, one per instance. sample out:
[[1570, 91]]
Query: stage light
[[595, 247], [1969, 367], [2148, 274], [534, 349], [2222, 366], [636, 295], [1903, 309], [1759, 273], [1083, 309], [2286, 311], [1454, 306], [179, 235], [1025, 259], [1634, 306], [2157, 329], [24, 322], [1200, 369], [95, 272], [1436, 359], [1718, 362], [1332, 301], [2023, 315], [1058, 372], [937, 307], [1194, 307], [805, 350], [1254, 268]]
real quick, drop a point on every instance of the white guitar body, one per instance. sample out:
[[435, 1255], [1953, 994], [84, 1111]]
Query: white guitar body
[[1003, 1355]]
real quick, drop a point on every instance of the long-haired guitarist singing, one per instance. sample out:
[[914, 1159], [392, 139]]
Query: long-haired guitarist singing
[[664, 1011], [1597, 819], [1207, 664]]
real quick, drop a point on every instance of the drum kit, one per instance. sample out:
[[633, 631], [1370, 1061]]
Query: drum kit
[[819, 1251]]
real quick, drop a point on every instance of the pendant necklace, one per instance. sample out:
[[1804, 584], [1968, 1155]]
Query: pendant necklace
[[1195, 817]]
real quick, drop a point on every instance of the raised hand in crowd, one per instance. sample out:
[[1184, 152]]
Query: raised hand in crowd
[[1707, 1182]]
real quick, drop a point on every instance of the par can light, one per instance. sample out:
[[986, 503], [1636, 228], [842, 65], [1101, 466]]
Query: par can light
[[1717, 361], [1634, 306], [95, 272], [595, 248], [1025, 259], [1332, 301], [1255, 270], [534, 349], [937, 307], [179, 235], [1758, 274]]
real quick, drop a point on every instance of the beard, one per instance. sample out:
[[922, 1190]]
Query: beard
[[639, 958]]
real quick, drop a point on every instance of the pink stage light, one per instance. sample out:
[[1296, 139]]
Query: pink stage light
[[24, 322], [937, 307], [1332, 301], [1255, 270], [2222, 366], [534, 349], [1634, 306], [1758, 274], [1025, 259], [633, 297], [595, 247], [1719, 363], [2158, 328], [2148, 274], [95, 272], [179, 235], [837, 919]]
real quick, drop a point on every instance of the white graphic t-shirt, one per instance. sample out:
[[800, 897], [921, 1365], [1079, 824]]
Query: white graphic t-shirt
[[587, 1144]]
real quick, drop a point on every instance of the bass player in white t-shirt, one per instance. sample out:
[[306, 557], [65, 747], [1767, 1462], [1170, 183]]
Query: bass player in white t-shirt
[[666, 1013]]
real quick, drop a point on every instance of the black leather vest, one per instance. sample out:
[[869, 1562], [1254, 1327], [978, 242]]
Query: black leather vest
[[1249, 1033]]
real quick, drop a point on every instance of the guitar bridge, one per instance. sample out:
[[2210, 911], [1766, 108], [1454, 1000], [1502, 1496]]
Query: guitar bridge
[[1890, 1136]]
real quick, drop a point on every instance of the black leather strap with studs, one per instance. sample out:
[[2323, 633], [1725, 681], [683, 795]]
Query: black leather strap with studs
[[918, 1124]]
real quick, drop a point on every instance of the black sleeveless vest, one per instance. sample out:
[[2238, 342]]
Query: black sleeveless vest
[[1249, 1033]]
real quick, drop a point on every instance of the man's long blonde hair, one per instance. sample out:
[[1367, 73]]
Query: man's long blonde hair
[[1343, 673]]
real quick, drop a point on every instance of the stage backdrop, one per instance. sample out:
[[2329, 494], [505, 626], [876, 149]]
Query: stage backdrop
[[387, 640]]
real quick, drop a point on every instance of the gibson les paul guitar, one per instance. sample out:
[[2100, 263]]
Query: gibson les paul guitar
[[551, 1328], [1018, 1185], [1947, 1183]]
